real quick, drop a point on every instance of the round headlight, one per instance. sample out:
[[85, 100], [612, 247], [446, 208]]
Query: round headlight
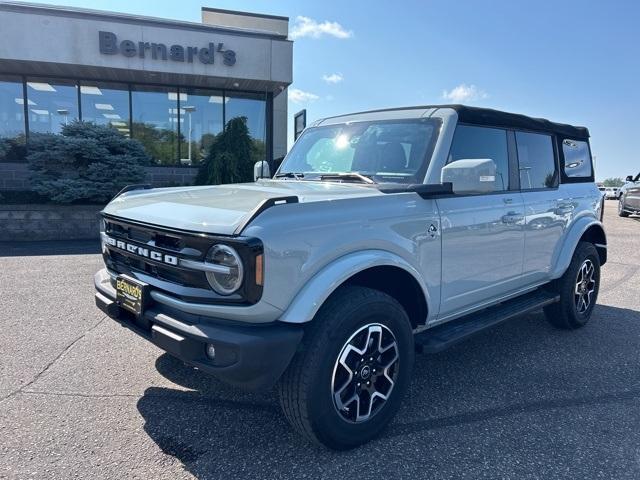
[[228, 278]]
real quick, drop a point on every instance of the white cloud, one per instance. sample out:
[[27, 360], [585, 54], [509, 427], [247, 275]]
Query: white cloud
[[298, 96], [333, 78], [308, 27], [464, 93]]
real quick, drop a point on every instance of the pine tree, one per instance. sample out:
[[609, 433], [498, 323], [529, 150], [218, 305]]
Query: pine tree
[[86, 163], [229, 159]]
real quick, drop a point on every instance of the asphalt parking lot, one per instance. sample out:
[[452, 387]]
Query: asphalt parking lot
[[82, 397]]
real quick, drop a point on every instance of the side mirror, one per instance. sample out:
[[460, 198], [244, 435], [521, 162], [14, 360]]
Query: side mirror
[[629, 178], [476, 175], [261, 170]]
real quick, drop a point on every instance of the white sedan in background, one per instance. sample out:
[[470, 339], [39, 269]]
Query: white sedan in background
[[611, 193]]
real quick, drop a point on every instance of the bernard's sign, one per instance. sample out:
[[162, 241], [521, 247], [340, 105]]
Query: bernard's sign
[[110, 45]]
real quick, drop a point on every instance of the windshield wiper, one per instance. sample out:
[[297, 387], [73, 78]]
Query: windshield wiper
[[347, 176], [296, 175]]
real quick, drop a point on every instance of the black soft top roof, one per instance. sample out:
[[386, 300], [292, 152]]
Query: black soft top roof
[[488, 116], [495, 118]]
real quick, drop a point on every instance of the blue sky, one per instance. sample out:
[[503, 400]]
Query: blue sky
[[569, 61]]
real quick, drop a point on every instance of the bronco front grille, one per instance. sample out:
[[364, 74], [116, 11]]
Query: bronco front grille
[[153, 254]]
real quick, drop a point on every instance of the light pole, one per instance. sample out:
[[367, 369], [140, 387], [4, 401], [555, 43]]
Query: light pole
[[189, 109]]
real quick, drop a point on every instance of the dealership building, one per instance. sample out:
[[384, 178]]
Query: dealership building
[[172, 85]]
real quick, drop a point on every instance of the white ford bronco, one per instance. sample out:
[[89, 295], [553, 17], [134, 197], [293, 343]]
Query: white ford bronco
[[382, 233]]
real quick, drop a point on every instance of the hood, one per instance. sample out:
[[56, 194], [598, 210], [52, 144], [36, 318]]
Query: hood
[[222, 209]]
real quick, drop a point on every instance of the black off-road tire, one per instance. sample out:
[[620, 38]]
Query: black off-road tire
[[621, 212], [565, 314], [306, 388]]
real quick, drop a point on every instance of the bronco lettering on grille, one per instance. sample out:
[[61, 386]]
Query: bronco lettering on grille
[[142, 251]]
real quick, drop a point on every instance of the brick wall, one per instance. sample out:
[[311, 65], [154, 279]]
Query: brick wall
[[15, 176], [49, 222], [168, 176], [64, 222]]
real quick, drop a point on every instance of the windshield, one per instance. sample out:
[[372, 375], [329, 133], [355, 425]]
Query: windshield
[[395, 151]]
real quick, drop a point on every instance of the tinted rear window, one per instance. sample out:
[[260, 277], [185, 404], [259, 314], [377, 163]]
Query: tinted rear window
[[536, 161], [577, 158]]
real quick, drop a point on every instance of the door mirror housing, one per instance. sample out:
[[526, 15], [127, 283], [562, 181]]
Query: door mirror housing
[[629, 178], [474, 175], [261, 170]]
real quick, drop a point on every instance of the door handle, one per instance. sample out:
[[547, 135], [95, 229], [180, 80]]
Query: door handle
[[512, 217], [563, 208]]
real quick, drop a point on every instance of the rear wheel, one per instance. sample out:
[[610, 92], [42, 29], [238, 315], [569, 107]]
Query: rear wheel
[[578, 289], [346, 384], [621, 211]]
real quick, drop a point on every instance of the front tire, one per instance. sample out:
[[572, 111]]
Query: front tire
[[346, 383], [578, 289], [621, 211]]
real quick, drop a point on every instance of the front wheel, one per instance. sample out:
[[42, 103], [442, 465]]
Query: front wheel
[[346, 383], [621, 211], [578, 289]]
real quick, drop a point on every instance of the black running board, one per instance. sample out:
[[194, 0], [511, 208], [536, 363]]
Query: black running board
[[443, 336]]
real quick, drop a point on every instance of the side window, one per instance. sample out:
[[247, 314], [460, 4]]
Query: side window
[[471, 142], [577, 158], [536, 160]]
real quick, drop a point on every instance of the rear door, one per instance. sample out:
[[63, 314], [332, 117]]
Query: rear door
[[547, 209], [482, 234]]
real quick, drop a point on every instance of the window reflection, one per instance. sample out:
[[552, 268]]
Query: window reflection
[[537, 161], [155, 122], [106, 104], [470, 142], [577, 158], [52, 104], [254, 108], [172, 130], [12, 135], [201, 112]]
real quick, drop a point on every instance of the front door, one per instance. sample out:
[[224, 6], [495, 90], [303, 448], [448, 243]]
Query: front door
[[482, 235]]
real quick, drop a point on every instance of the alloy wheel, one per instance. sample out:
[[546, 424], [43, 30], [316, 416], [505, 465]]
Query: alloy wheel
[[585, 286], [365, 373]]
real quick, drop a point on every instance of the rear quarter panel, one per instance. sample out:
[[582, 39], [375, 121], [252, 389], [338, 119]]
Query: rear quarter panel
[[585, 201]]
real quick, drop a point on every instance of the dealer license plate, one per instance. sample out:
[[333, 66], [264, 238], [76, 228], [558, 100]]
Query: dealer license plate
[[131, 294]]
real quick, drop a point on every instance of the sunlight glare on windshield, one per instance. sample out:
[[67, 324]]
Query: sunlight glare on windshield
[[341, 141]]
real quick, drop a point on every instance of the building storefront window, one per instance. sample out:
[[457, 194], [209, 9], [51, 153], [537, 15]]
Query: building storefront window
[[155, 122], [52, 104], [254, 108], [175, 125], [12, 134], [106, 104], [201, 112]]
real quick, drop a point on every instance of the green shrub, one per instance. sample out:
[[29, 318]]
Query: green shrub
[[86, 163], [13, 149]]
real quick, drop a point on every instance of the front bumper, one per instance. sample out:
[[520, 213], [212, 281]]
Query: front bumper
[[252, 357]]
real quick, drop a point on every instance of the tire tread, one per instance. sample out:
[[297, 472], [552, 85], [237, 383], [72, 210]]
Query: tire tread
[[294, 386]]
